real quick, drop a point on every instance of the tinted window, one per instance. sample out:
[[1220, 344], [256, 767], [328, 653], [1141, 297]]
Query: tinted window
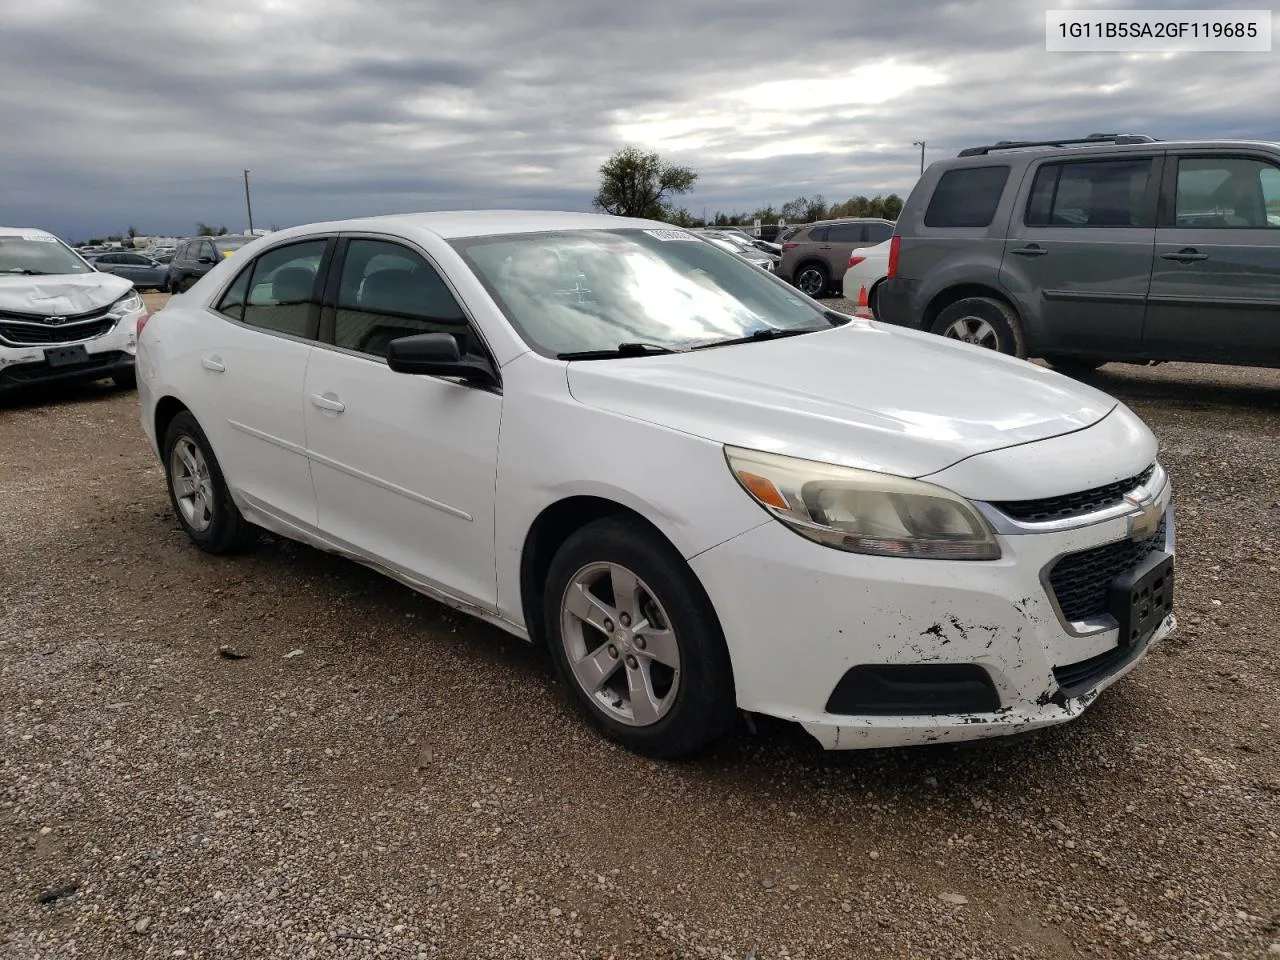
[[388, 291], [966, 197], [1106, 193], [135, 259], [282, 289], [107, 258], [817, 233], [232, 302], [878, 232], [846, 233], [1227, 192]]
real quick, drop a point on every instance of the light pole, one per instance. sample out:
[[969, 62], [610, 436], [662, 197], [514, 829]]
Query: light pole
[[920, 144], [248, 205]]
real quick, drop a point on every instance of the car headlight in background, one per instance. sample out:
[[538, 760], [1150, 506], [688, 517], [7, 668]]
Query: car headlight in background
[[863, 511], [129, 303]]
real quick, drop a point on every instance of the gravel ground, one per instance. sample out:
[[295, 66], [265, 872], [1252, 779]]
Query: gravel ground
[[414, 784]]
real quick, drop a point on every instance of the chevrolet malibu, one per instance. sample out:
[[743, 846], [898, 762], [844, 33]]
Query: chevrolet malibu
[[704, 491]]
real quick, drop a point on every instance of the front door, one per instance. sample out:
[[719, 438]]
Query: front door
[[1077, 257], [1215, 289], [404, 466], [252, 360]]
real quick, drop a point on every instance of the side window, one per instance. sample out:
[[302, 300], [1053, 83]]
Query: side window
[[1099, 193], [232, 302], [847, 233], [967, 197], [388, 291], [282, 290], [107, 258], [879, 232], [1227, 192], [134, 259], [817, 234]]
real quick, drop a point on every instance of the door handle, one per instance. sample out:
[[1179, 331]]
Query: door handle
[[327, 401], [1185, 255], [213, 363], [1030, 250]]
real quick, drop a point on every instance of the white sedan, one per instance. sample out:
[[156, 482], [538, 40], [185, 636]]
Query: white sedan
[[705, 492], [867, 267]]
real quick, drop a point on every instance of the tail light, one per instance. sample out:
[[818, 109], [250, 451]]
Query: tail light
[[895, 245], [142, 322], [790, 246], [854, 261]]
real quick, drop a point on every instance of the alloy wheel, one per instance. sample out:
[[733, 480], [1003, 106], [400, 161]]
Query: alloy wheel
[[192, 484], [619, 643], [973, 330], [811, 281]]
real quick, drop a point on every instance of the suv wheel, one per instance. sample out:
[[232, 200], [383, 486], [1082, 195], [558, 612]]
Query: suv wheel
[[637, 642], [812, 279], [985, 322]]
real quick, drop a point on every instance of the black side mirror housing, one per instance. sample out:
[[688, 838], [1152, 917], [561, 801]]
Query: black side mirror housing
[[205, 260], [437, 355]]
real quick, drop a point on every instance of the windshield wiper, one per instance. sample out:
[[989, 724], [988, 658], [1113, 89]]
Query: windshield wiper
[[768, 333], [621, 350], [28, 272]]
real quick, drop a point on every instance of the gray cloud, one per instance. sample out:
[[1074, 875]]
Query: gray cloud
[[145, 113]]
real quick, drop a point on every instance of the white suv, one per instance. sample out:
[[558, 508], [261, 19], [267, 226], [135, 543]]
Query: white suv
[[702, 490], [60, 319]]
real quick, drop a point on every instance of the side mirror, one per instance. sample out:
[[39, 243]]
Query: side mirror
[[437, 355], [205, 260]]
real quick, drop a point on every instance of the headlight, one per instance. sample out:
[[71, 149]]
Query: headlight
[[862, 511], [130, 302]]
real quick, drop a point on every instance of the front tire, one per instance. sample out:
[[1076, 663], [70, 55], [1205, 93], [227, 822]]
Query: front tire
[[637, 642], [198, 491], [984, 322]]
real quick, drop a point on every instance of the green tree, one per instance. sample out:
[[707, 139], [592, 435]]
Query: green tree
[[205, 230], [638, 184], [133, 231]]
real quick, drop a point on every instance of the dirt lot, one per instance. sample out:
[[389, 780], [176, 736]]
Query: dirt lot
[[413, 784]]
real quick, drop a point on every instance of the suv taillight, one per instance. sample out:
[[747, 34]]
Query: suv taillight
[[854, 261], [790, 246], [895, 245], [142, 322]]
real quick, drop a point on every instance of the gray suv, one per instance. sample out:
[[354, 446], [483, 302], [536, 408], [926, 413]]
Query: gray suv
[[1107, 247]]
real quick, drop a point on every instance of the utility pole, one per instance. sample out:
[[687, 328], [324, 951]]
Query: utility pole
[[247, 203], [920, 144]]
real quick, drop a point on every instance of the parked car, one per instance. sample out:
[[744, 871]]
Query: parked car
[[742, 238], [60, 319], [1083, 251], [817, 254], [868, 266], [745, 250], [193, 258], [146, 272], [704, 493]]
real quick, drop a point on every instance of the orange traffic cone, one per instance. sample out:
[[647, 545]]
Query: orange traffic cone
[[863, 309]]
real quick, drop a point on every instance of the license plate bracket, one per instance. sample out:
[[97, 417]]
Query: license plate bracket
[[66, 356], [1142, 598]]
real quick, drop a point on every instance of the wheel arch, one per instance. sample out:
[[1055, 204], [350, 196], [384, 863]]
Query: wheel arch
[[945, 298], [167, 407]]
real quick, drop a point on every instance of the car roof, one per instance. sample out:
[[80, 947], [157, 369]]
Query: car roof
[[24, 232], [455, 224], [1084, 149]]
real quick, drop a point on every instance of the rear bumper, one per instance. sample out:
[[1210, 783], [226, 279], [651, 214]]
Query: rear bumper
[[896, 302]]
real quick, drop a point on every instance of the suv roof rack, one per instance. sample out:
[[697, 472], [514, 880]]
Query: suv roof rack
[[1116, 138]]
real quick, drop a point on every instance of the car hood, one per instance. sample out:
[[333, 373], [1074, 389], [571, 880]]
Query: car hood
[[60, 295], [862, 395]]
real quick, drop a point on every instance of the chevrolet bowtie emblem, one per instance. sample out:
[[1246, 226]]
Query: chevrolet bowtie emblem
[[1144, 523]]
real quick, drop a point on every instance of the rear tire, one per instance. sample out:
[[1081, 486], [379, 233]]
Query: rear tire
[[985, 322], [812, 279], [198, 491], [636, 640], [1074, 366]]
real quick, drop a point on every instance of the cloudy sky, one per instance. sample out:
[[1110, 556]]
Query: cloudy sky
[[145, 112]]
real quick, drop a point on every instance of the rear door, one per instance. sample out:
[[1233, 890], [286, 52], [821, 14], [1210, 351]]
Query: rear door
[[1215, 288], [1077, 258]]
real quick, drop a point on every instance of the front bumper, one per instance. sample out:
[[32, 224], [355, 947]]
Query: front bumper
[[799, 616], [107, 354]]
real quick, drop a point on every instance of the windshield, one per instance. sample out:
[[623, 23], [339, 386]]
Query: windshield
[[37, 255], [227, 244], [595, 289]]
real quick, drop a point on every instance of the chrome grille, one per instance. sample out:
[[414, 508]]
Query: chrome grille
[[1071, 505], [25, 329]]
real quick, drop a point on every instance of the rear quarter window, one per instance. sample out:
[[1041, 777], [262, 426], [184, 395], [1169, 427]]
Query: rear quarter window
[[967, 197]]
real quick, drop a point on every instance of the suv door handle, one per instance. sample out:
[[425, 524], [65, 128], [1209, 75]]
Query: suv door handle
[[1185, 255], [327, 401], [214, 363], [1030, 250]]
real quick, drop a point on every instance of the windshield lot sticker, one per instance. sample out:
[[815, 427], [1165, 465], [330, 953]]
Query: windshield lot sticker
[[671, 235]]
